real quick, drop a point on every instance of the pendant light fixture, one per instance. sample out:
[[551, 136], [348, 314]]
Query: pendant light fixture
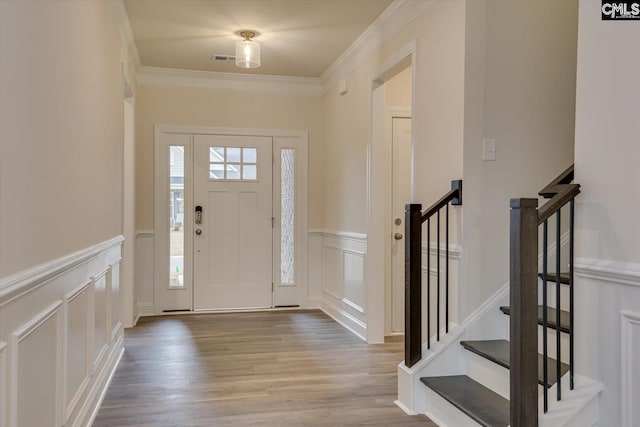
[[247, 51]]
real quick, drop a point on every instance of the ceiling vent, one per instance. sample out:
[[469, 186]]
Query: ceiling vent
[[219, 57]]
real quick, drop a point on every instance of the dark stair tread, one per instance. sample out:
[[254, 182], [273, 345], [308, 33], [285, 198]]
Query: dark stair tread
[[486, 407], [551, 278], [497, 351], [551, 317]]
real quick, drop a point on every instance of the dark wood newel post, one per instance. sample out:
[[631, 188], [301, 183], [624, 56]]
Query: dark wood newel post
[[413, 284], [524, 316]]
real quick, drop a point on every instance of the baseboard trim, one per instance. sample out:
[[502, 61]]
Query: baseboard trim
[[101, 386], [145, 309], [357, 327], [404, 408]]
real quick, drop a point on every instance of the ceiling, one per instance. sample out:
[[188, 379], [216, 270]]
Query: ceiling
[[297, 37]]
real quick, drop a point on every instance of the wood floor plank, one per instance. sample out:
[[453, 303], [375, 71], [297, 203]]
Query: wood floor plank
[[286, 368]]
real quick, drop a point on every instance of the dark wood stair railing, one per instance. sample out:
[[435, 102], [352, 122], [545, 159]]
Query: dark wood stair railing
[[414, 218], [525, 221]]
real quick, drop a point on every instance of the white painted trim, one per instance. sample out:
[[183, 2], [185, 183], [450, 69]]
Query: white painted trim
[[353, 305], [155, 77], [145, 309], [314, 232], [455, 251], [121, 19], [145, 233], [4, 385], [354, 325], [376, 203], [627, 365], [490, 304], [345, 235], [101, 386], [404, 408], [397, 16], [68, 298], [210, 130], [19, 335], [622, 273], [25, 281]]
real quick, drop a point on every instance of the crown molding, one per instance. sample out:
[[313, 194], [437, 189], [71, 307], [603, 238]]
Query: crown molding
[[191, 79], [397, 16], [121, 19]]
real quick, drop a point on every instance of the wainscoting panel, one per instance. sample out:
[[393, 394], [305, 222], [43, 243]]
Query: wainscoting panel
[[630, 353], [332, 271], [115, 318], [353, 279], [144, 273], [78, 327], [56, 317], [101, 328], [314, 263], [35, 360], [343, 279], [4, 386], [607, 335]]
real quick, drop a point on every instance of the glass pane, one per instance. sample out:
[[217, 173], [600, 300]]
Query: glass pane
[[216, 154], [216, 171], [250, 155], [249, 172], [287, 210], [176, 216], [233, 155], [233, 171]]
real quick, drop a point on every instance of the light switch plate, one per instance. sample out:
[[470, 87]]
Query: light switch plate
[[488, 149]]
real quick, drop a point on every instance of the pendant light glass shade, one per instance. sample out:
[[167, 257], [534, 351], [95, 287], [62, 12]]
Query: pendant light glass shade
[[247, 53]]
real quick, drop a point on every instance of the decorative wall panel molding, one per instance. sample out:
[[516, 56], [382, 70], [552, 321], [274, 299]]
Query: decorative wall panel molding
[[56, 318]]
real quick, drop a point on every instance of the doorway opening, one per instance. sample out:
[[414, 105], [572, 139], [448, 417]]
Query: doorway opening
[[389, 177]]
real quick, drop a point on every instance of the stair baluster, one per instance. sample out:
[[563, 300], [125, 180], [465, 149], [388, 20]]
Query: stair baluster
[[414, 219]]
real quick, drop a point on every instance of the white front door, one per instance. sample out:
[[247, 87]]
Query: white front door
[[401, 189], [232, 208]]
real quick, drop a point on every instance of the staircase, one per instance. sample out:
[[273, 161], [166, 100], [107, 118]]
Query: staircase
[[469, 378]]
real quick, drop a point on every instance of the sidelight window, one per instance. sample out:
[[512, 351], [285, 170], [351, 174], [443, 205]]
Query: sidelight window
[[287, 212]]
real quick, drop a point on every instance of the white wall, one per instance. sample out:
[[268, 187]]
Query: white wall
[[608, 211], [438, 113], [223, 108], [435, 35], [519, 90], [61, 216], [62, 125]]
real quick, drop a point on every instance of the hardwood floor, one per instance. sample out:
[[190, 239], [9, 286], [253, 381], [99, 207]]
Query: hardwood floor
[[287, 368]]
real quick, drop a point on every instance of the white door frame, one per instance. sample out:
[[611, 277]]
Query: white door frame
[[390, 114], [297, 139], [378, 191]]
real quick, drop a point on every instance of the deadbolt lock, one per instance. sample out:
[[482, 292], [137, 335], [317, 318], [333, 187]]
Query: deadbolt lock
[[398, 221], [198, 231]]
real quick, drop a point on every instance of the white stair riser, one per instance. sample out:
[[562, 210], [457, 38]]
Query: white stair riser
[[491, 375], [551, 343], [551, 295]]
